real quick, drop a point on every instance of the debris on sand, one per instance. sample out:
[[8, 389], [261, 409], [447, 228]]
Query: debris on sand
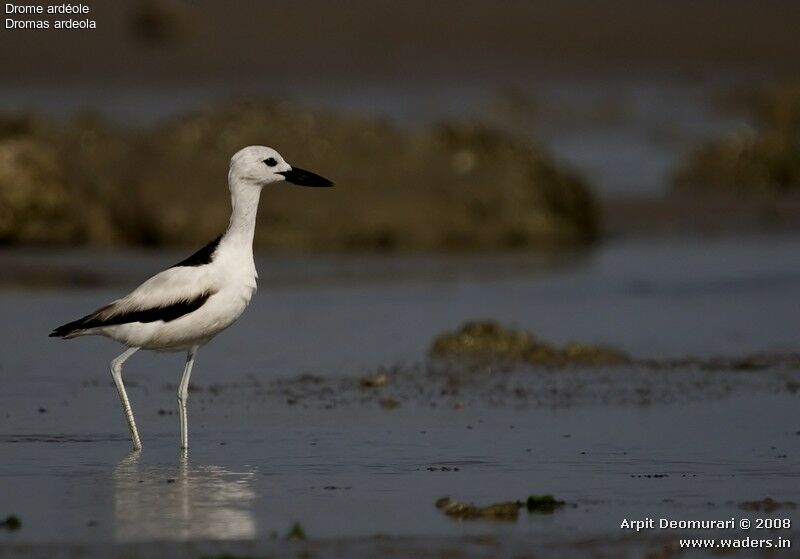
[[388, 403], [745, 363], [726, 363], [545, 504], [11, 523], [508, 510], [374, 381], [767, 505], [487, 339]]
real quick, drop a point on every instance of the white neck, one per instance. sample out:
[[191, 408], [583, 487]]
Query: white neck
[[244, 203]]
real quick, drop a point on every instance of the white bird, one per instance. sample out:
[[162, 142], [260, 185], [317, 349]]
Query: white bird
[[183, 307]]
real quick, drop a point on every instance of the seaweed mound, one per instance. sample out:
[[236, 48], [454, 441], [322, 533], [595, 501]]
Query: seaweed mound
[[488, 340], [764, 159], [457, 186], [507, 511], [70, 182], [34, 202]]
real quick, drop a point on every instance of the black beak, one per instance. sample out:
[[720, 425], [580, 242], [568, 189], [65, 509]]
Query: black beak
[[304, 178]]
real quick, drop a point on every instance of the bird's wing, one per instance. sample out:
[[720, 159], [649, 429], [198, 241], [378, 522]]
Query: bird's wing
[[166, 296], [168, 287]]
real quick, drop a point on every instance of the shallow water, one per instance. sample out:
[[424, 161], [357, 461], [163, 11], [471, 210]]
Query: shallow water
[[258, 464], [360, 472]]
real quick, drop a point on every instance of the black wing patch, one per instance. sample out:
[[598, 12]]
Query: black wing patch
[[203, 256], [106, 316]]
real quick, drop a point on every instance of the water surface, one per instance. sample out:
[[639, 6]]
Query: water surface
[[259, 463]]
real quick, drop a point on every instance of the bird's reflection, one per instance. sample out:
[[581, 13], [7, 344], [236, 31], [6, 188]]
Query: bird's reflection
[[181, 501]]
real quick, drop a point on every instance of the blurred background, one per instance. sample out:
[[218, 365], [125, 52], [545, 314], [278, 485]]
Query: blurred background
[[447, 126]]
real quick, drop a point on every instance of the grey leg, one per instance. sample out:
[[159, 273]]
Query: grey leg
[[183, 396], [116, 374]]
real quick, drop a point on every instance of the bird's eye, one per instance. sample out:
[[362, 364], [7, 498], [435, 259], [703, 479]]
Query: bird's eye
[[270, 161]]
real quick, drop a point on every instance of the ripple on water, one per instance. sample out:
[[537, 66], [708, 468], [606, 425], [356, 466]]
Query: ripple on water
[[60, 438]]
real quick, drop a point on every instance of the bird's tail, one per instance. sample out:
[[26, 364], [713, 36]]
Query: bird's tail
[[70, 329]]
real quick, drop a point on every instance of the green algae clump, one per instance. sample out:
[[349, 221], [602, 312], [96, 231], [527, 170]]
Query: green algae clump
[[504, 511], [488, 340], [296, 532], [508, 510], [11, 523], [543, 503]]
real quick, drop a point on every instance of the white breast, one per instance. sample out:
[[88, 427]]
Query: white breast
[[231, 276]]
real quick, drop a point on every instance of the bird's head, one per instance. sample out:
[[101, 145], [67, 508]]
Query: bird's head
[[260, 166]]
